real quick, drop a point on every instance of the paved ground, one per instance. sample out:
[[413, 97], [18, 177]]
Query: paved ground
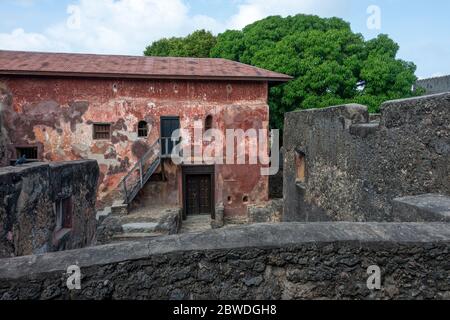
[[195, 224], [147, 214]]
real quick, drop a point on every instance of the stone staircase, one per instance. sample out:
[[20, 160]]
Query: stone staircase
[[116, 223], [140, 224], [139, 175], [133, 182]]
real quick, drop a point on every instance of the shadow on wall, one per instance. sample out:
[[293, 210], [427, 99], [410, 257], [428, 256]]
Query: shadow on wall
[[354, 168], [276, 181]]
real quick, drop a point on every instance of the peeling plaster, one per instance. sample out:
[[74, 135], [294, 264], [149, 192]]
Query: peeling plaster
[[58, 114]]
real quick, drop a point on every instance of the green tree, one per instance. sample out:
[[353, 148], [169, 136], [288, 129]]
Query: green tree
[[330, 63], [197, 44]]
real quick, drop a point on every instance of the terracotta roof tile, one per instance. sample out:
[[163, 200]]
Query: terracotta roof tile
[[89, 65]]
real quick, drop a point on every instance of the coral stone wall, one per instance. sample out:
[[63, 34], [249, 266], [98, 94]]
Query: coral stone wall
[[297, 261], [354, 169], [5, 100], [57, 114], [3, 144], [435, 85], [28, 197]]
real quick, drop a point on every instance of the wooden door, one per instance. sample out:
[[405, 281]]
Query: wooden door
[[198, 195]]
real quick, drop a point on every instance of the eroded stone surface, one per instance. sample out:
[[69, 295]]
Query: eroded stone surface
[[57, 116], [272, 212], [28, 194], [142, 222], [422, 208], [354, 169], [264, 261]]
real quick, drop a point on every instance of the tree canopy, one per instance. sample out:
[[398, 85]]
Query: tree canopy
[[197, 45], [330, 63]]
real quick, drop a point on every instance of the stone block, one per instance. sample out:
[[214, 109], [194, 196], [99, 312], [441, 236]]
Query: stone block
[[270, 212], [364, 129], [119, 208], [422, 208]]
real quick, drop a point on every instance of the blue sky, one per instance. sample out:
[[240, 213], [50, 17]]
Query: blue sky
[[422, 28]]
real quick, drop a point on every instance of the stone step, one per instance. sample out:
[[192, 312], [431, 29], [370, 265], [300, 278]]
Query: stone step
[[422, 208], [136, 236], [119, 208], [143, 222], [140, 227], [102, 215]]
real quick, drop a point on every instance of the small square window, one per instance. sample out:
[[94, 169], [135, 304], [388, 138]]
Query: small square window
[[102, 131], [64, 212]]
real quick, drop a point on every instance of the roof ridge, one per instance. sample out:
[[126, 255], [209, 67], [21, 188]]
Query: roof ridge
[[108, 55], [103, 65]]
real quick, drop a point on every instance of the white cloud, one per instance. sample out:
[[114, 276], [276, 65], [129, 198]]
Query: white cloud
[[112, 26], [18, 39], [128, 26], [254, 10]]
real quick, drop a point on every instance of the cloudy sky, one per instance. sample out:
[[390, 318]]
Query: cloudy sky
[[422, 28]]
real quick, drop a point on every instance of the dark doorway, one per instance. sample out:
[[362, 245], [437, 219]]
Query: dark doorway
[[198, 190], [168, 126], [198, 193], [31, 153]]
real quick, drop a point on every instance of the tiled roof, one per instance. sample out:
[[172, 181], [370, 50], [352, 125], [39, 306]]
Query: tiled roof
[[90, 65]]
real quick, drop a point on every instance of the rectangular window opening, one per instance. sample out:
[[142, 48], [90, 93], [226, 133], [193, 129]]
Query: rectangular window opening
[[64, 213], [30, 153], [102, 131], [142, 133], [300, 167]]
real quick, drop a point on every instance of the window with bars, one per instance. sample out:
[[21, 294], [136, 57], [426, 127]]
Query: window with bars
[[142, 129], [102, 131]]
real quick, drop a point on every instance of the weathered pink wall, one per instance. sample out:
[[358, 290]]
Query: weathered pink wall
[[57, 114]]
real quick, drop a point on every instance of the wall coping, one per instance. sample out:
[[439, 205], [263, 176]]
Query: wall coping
[[420, 100], [342, 108], [416, 100], [433, 78], [35, 165], [264, 236]]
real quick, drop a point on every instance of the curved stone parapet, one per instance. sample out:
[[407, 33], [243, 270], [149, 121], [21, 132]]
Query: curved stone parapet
[[263, 261]]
